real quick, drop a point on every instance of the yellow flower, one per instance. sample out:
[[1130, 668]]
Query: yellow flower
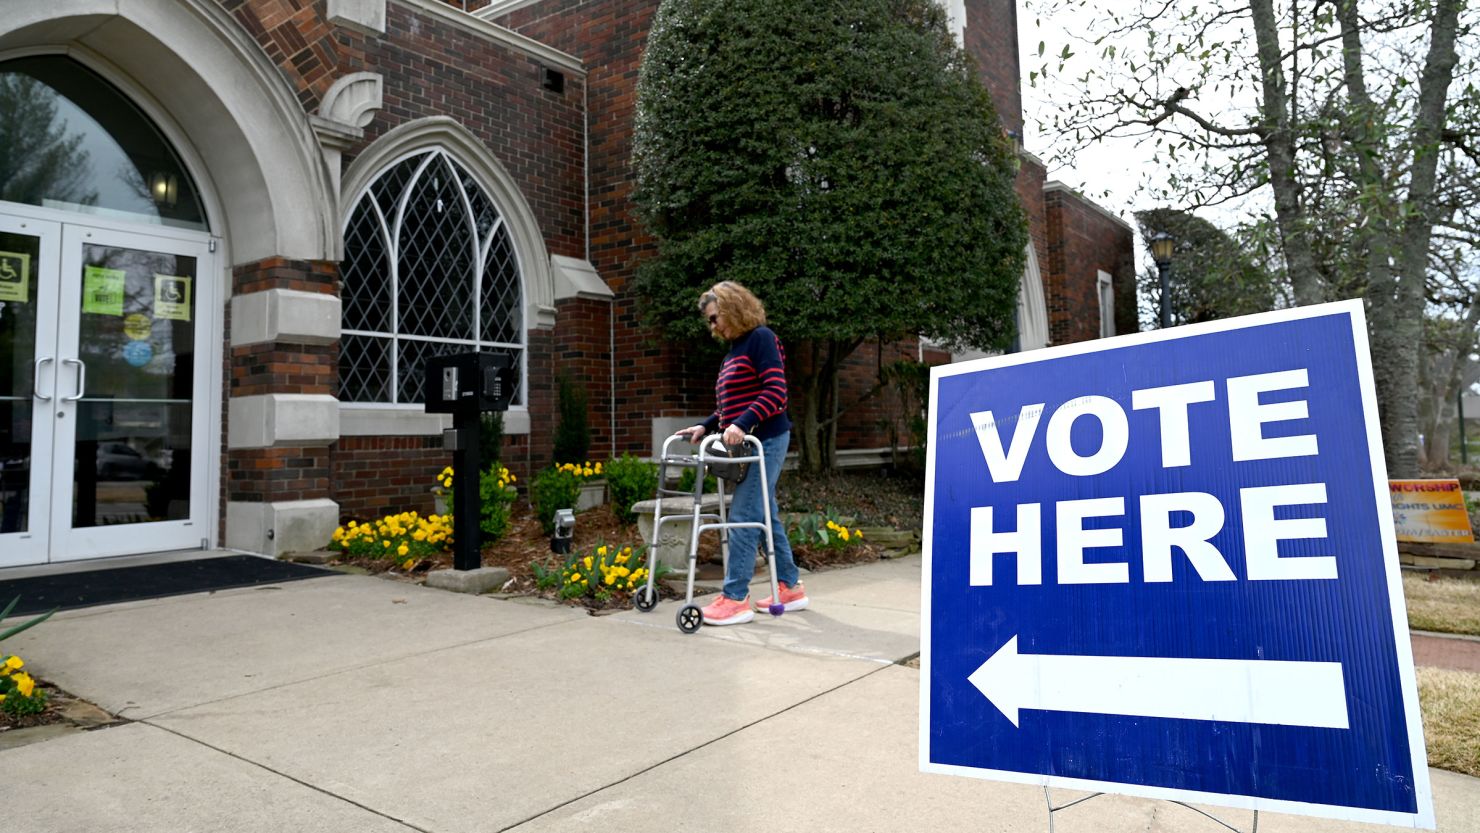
[[14, 662], [575, 576], [385, 544], [610, 579], [843, 534], [24, 684], [858, 532], [601, 550], [598, 468], [587, 562], [402, 550]]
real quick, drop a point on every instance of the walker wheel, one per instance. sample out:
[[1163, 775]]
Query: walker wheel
[[645, 599], [778, 609], [690, 617]]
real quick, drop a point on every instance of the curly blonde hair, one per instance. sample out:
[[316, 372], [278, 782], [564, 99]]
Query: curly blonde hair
[[742, 310]]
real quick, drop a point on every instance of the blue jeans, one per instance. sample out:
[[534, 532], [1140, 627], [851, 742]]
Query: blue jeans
[[747, 507]]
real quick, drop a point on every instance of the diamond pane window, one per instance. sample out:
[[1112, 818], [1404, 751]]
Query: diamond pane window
[[429, 268]]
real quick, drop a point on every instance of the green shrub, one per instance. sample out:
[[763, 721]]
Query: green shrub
[[572, 433], [629, 480], [497, 493], [490, 438], [686, 482], [554, 488]]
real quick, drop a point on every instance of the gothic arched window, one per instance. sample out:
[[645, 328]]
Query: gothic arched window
[[429, 268]]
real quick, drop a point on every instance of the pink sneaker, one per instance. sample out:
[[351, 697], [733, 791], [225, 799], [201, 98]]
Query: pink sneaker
[[727, 611], [792, 598]]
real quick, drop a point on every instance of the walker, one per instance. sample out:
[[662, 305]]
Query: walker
[[711, 451]]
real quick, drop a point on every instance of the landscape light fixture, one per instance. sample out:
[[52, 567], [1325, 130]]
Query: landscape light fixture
[[565, 531], [1161, 252]]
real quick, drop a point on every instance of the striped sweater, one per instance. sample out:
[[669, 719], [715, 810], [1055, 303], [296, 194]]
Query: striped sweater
[[751, 388]]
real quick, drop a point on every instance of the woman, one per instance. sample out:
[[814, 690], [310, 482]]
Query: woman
[[751, 397]]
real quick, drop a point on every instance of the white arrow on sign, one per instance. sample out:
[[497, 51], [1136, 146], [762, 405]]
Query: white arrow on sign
[[1243, 691]]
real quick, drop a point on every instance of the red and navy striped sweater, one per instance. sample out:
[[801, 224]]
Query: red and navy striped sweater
[[751, 388]]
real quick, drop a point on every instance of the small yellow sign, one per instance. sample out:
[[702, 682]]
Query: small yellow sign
[[1430, 511], [172, 297], [102, 290], [137, 326], [15, 277]]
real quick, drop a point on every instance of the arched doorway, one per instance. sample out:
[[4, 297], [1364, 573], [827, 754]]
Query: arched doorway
[[105, 324], [266, 193]]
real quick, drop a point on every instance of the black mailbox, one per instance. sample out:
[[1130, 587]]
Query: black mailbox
[[465, 385], [469, 381]]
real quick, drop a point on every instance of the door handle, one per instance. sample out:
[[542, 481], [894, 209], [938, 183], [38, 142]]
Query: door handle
[[81, 379], [36, 379]]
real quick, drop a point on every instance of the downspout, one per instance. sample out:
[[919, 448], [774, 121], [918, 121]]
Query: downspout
[[611, 303]]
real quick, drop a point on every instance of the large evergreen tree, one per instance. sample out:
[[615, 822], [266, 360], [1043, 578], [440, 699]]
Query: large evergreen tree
[[839, 158]]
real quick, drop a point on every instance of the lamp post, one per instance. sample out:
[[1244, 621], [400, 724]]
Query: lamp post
[[1161, 252]]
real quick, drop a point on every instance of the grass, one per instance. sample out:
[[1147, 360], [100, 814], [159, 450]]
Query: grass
[[1442, 605], [1451, 718]]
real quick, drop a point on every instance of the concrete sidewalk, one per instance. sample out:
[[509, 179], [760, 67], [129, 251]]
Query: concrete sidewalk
[[360, 704]]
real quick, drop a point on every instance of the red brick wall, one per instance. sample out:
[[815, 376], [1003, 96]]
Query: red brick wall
[[1030, 180], [652, 378], [1083, 241], [991, 38], [366, 487]]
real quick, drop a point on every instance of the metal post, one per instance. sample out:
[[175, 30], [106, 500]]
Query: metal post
[[467, 533], [1165, 269]]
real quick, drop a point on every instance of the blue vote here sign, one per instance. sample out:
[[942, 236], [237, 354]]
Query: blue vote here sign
[[1164, 565]]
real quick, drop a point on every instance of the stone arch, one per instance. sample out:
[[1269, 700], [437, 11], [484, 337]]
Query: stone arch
[[448, 134], [1032, 306], [240, 126]]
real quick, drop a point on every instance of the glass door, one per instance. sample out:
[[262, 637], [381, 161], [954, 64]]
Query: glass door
[[131, 387], [29, 263]]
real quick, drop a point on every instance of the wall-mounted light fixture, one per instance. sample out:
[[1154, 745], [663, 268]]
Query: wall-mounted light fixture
[[164, 188]]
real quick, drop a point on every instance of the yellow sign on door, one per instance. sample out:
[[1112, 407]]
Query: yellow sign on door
[[15, 277], [1430, 511], [172, 297]]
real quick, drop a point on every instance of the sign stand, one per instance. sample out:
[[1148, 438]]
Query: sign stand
[[1048, 800]]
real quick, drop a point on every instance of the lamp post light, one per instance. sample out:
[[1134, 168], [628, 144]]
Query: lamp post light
[[1161, 252]]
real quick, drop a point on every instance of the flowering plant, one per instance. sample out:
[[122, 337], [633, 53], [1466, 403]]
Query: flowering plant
[[601, 575], [404, 539], [825, 530], [496, 493], [582, 471], [18, 691]]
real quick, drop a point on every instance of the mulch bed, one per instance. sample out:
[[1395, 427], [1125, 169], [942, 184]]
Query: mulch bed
[[526, 544]]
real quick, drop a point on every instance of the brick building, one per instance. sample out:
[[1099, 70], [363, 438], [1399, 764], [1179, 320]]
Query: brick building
[[233, 230]]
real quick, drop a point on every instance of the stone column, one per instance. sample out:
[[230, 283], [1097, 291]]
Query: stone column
[[282, 412]]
